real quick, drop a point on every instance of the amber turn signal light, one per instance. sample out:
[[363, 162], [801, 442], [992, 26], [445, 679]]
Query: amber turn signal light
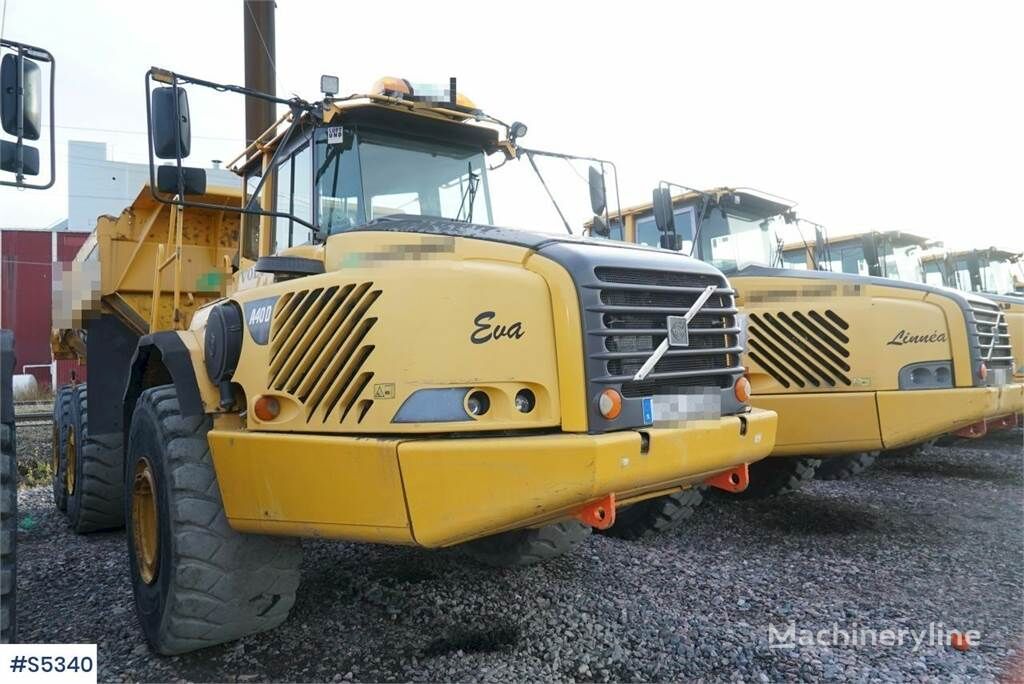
[[267, 408], [610, 404], [742, 389], [983, 371]]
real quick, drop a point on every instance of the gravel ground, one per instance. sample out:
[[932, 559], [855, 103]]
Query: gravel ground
[[935, 539]]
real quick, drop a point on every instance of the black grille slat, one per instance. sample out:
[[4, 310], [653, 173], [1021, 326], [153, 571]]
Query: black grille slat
[[640, 276], [633, 305]]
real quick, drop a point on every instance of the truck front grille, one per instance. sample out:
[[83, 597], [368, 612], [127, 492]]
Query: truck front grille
[[802, 348], [997, 352], [319, 350], [632, 308]]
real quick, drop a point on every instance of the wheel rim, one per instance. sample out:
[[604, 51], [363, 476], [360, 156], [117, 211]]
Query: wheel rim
[[145, 527], [72, 459]]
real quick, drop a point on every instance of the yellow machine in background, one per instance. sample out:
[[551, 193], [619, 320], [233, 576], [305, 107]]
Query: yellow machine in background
[[852, 364], [992, 273], [366, 357]]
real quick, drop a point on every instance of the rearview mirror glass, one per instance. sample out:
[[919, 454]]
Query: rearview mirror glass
[[664, 217], [9, 159], [599, 227], [597, 191], [31, 95], [172, 129]]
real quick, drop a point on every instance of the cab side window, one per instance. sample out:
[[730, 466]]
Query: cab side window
[[294, 194]]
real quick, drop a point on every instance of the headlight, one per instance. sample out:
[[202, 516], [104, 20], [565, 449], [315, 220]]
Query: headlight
[[927, 375]]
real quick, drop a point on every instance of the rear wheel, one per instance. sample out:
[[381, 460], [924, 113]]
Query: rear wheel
[[654, 516], [779, 475], [61, 418], [94, 471], [528, 546], [844, 467], [196, 581]]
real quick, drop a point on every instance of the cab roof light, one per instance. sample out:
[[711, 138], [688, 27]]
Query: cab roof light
[[402, 89]]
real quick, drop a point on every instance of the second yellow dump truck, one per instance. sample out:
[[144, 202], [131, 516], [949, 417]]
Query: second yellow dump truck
[[852, 364], [345, 347]]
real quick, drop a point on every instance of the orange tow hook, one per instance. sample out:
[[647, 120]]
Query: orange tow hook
[[735, 480], [973, 431], [600, 514]]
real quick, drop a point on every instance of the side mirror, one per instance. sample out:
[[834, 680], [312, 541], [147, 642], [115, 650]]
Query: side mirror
[[664, 217], [172, 128], [9, 159], [21, 95], [193, 181], [597, 191], [599, 227]]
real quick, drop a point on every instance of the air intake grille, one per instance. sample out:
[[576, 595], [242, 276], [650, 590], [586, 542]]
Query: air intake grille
[[806, 349], [318, 350], [997, 353], [633, 305]]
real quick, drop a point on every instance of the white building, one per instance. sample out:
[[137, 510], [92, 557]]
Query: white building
[[97, 185]]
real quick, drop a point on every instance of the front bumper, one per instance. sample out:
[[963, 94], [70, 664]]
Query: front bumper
[[439, 492], [848, 422]]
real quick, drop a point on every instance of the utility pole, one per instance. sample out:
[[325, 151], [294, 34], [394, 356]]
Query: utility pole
[[260, 69]]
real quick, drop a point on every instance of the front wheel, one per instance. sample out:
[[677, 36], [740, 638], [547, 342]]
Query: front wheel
[[845, 467], [773, 476], [196, 581], [654, 516], [528, 546]]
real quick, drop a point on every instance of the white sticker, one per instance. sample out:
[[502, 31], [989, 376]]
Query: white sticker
[[335, 135]]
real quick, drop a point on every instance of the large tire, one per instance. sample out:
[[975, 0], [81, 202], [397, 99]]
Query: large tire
[[528, 546], [845, 467], [8, 536], [61, 419], [96, 497], [654, 516], [774, 476], [207, 583]]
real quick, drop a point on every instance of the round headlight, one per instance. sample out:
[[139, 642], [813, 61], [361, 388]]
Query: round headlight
[[525, 401], [478, 403]]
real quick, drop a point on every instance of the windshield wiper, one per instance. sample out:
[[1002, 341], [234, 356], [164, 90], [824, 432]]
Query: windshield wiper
[[469, 193]]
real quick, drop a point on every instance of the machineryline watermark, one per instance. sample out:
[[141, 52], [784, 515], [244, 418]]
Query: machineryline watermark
[[935, 635]]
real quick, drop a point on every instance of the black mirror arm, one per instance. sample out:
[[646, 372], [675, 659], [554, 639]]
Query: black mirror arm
[[529, 157]]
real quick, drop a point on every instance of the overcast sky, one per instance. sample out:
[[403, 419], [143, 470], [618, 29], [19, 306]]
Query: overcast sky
[[892, 115]]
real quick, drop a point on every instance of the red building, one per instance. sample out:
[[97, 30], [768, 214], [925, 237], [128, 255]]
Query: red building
[[26, 265]]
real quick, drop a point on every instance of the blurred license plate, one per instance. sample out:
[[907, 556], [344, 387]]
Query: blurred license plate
[[675, 408]]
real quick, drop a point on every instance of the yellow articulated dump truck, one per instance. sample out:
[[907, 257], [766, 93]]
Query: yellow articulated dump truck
[[346, 347], [996, 274], [991, 273], [852, 364]]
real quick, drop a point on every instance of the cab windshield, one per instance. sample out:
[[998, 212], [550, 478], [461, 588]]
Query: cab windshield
[[733, 242], [365, 176], [997, 276]]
